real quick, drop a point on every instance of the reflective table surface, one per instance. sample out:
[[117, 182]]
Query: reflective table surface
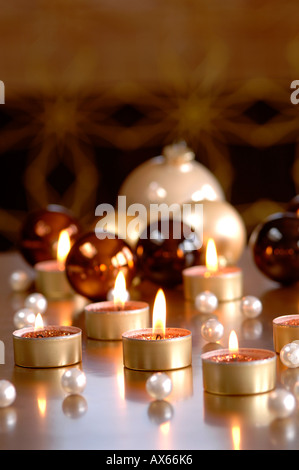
[[115, 412]]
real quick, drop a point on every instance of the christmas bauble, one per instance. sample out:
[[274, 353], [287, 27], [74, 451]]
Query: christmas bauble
[[93, 264], [293, 205], [275, 247], [164, 249], [40, 232], [173, 177], [220, 221]]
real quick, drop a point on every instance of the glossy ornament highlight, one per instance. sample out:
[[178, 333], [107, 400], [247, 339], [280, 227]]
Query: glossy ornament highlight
[[93, 264], [40, 232], [164, 249], [275, 247]]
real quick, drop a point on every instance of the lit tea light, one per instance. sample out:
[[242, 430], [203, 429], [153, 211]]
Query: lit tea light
[[51, 279], [108, 320], [47, 346], [238, 371], [226, 283], [285, 330], [157, 348]]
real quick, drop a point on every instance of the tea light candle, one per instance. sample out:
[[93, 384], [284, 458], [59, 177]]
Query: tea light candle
[[108, 320], [235, 371], [158, 348], [226, 283], [46, 347], [51, 279], [285, 330]]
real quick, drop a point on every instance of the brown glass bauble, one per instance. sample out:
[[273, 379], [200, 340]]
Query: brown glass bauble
[[275, 247], [93, 264], [40, 232], [293, 205], [164, 249]]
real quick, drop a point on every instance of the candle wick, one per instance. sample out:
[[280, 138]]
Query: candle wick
[[158, 336]]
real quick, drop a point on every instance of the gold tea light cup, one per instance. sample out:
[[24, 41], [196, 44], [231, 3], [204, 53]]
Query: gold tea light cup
[[108, 320], [46, 347], [285, 330], [238, 371], [158, 348], [51, 279], [224, 282]]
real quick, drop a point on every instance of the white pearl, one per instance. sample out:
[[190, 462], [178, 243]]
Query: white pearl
[[7, 393], [281, 403], [73, 381], [37, 302], [19, 281], [24, 317], [159, 385], [289, 355], [212, 330], [206, 302], [251, 306]]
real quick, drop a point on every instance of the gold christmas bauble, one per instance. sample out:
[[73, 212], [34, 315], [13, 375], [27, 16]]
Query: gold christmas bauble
[[173, 177], [220, 221]]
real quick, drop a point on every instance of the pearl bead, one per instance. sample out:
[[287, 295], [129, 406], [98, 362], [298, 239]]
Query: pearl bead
[[19, 281], [206, 302], [289, 355], [73, 381], [24, 317], [251, 306], [212, 330], [7, 393], [37, 302], [159, 385], [281, 403]]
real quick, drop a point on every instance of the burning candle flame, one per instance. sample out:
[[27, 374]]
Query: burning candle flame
[[211, 256], [233, 344], [120, 292], [63, 247], [38, 322], [159, 314]]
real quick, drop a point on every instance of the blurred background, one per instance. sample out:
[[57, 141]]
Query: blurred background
[[93, 88]]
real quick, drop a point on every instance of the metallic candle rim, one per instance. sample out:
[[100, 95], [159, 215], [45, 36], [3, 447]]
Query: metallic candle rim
[[47, 352], [226, 283], [157, 355], [240, 377], [103, 324], [53, 282], [282, 333]]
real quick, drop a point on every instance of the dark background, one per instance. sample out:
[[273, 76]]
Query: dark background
[[93, 89]]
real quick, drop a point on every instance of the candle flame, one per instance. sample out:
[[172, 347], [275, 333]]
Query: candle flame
[[38, 322], [120, 292], [211, 256], [159, 314], [233, 344], [63, 247]]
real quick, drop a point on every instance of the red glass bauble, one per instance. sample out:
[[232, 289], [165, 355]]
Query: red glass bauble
[[164, 249], [275, 247], [40, 232], [93, 264]]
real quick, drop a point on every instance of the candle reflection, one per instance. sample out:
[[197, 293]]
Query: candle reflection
[[42, 405], [236, 436]]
